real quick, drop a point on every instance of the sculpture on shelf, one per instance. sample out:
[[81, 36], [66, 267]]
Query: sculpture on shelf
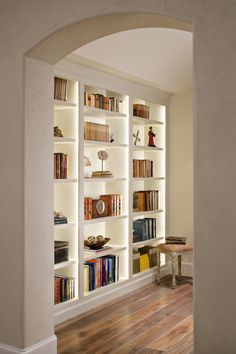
[[151, 136], [136, 137], [87, 162], [103, 156], [58, 132]]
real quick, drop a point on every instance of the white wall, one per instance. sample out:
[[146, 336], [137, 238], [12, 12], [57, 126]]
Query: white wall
[[23, 25], [180, 166]]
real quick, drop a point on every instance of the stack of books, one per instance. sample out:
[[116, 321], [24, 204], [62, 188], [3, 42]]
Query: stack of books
[[102, 174], [176, 240], [60, 89], [60, 219]]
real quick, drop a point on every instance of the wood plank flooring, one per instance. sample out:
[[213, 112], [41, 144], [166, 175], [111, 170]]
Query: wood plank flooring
[[152, 320]]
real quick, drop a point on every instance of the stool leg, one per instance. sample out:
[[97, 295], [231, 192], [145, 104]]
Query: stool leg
[[173, 257], [179, 265], [158, 267]]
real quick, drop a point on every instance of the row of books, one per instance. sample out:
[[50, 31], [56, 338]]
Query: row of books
[[96, 132], [144, 258], [64, 288], [60, 89], [146, 200], [144, 229], [141, 110], [98, 100], [112, 207], [60, 165], [101, 272], [142, 168]]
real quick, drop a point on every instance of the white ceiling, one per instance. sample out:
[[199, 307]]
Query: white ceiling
[[160, 56]]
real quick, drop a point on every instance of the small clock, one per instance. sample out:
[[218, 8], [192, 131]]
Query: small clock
[[100, 208]]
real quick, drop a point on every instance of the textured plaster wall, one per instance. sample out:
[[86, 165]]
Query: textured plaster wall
[[22, 26]]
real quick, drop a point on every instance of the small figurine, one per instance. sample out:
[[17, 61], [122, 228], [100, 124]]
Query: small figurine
[[151, 136], [58, 132], [136, 137], [112, 138]]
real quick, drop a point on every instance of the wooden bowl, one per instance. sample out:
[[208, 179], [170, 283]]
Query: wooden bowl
[[97, 245]]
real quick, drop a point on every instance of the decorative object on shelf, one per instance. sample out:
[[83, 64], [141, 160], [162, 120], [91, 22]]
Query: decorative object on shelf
[[58, 132], [112, 138], [136, 137], [99, 208], [59, 218], [151, 136], [103, 156], [97, 242], [87, 162]]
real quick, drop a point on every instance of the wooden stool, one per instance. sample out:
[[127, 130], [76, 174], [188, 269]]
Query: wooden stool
[[174, 251]]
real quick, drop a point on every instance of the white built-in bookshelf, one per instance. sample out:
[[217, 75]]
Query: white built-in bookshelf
[[69, 193]]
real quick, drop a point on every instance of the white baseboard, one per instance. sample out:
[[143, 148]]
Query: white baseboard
[[47, 346], [90, 303]]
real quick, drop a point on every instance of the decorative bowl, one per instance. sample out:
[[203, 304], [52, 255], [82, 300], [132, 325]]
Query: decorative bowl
[[97, 244]]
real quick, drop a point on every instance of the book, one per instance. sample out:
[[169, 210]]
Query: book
[[136, 262]]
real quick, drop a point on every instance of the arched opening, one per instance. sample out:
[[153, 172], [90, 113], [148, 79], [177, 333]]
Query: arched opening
[[39, 89]]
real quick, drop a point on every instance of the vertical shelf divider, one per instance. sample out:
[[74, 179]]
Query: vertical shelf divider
[[81, 191]]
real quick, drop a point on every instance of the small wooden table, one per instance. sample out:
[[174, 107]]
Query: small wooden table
[[174, 250]]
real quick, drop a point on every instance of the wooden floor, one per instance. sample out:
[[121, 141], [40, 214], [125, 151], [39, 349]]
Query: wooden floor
[[154, 319]]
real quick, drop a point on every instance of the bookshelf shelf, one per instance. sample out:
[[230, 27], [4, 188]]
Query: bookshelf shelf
[[148, 178], [91, 143], [105, 219], [147, 148], [102, 113], [69, 225], [93, 255], [66, 180], [147, 242], [64, 264], [64, 140], [75, 197], [60, 105], [149, 212], [113, 179], [143, 121]]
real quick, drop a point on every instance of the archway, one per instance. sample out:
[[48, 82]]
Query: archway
[[39, 106]]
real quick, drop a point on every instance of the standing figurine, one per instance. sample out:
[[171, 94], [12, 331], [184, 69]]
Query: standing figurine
[[151, 136]]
